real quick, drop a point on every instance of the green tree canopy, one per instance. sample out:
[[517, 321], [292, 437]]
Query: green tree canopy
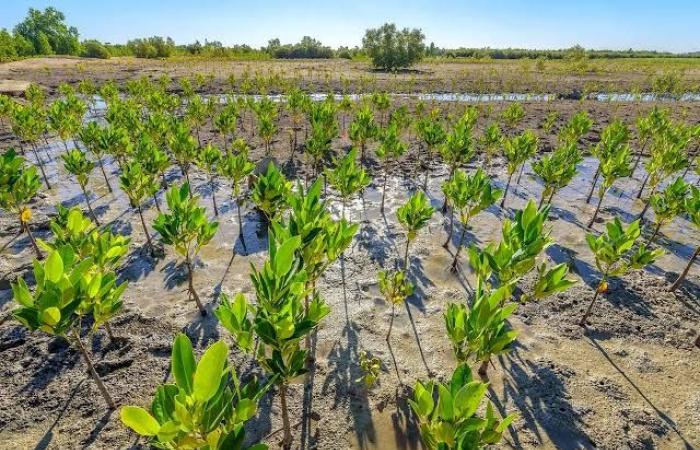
[[49, 27], [391, 48]]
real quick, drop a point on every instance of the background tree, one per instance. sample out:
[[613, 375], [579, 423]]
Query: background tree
[[48, 32], [391, 48]]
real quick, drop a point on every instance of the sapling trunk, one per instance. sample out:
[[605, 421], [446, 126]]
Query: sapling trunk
[[93, 373], [386, 169], [459, 247], [483, 369], [582, 322], [41, 166], [104, 174], [287, 440], [89, 205], [213, 196], [189, 185], [155, 201], [145, 229], [656, 231], [240, 225], [644, 183], [520, 175], [108, 329], [639, 157], [593, 185], [505, 192], [682, 276], [597, 208], [391, 322], [190, 286], [452, 227], [647, 203], [405, 257], [24, 226]]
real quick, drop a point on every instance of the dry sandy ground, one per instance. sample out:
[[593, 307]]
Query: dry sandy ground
[[630, 382]]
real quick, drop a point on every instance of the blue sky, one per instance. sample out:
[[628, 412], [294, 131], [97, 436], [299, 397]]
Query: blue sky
[[617, 24]]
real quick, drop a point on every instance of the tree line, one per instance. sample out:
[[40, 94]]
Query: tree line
[[46, 32]]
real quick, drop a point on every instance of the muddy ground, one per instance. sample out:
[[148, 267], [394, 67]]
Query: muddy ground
[[629, 382], [449, 75]]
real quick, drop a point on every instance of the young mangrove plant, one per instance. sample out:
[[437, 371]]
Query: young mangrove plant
[[480, 332], [468, 195], [692, 208], [348, 178], [208, 158], [556, 170], [19, 184], [614, 166], [271, 193], [395, 288], [615, 256], [371, 367], [187, 228], [236, 168], [449, 420], [390, 148], [413, 216], [77, 164], [579, 124], [513, 115], [278, 318], [668, 204], [138, 185], [206, 407], [612, 140], [184, 148], [432, 134], [363, 129], [491, 141], [90, 136], [517, 150], [63, 283]]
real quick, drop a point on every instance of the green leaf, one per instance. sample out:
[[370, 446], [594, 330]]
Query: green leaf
[[51, 316], [139, 420], [54, 267], [182, 362], [207, 377]]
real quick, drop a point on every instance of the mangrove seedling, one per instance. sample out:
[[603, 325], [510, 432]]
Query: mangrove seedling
[[449, 420], [692, 208], [79, 166], [19, 184], [187, 228], [615, 256], [208, 159], [271, 192], [517, 150], [413, 216], [395, 288], [348, 178], [556, 170], [668, 203], [468, 195], [614, 166], [138, 185], [206, 407], [390, 148]]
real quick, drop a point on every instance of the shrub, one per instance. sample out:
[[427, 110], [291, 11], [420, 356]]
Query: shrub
[[94, 49]]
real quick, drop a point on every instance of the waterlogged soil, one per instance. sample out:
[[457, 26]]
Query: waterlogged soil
[[463, 75], [628, 382]]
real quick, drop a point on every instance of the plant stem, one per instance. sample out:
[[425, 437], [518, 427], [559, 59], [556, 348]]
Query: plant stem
[[682, 276], [93, 373], [452, 227], [459, 247], [597, 209], [108, 329], [582, 322], [287, 440], [595, 181], [520, 175], [145, 229], [104, 174], [24, 226], [386, 169], [190, 284], [41, 166], [213, 196], [405, 257], [656, 231], [483, 368], [391, 322], [505, 192], [644, 183], [87, 200], [240, 225]]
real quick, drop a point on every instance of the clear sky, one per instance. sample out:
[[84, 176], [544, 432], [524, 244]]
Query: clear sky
[[615, 24]]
